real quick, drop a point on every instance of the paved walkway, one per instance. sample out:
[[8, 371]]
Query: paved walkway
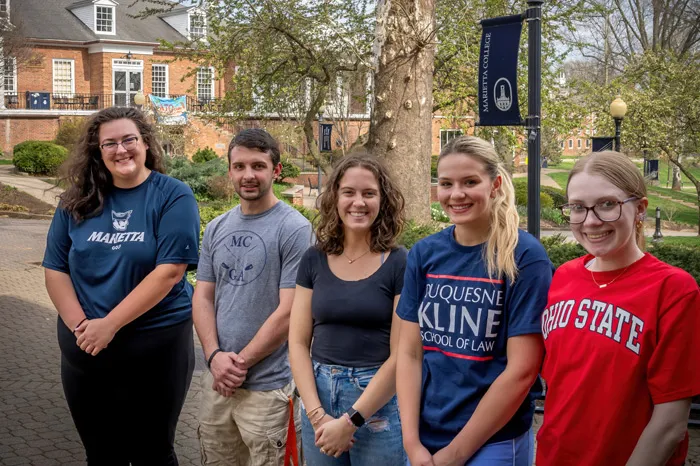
[[30, 185]]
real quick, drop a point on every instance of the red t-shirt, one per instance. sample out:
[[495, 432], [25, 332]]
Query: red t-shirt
[[612, 353]]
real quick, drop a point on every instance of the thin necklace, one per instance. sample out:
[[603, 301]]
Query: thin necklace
[[611, 281], [350, 261]]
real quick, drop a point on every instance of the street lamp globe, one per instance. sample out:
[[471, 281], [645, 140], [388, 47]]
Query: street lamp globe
[[139, 98], [618, 108]]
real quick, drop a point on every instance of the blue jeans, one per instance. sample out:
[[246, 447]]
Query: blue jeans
[[519, 451], [378, 442]]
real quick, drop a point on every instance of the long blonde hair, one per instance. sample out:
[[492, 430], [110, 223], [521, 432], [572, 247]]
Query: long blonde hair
[[499, 253], [619, 170]]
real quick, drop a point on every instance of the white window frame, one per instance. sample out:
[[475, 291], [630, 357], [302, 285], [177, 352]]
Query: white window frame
[[213, 80], [114, 20], [167, 79], [588, 143], [458, 132], [578, 143], [571, 143], [198, 36], [13, 90], [72, 76], [7, 8]]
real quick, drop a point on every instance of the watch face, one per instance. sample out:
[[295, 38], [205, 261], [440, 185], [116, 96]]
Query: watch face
[[356, 417]]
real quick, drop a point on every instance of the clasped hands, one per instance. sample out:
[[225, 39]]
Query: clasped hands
[[418, 455], [334, 436], [229, 371], [93, 335]]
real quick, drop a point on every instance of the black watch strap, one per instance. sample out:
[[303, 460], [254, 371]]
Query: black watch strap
[[356, 417]]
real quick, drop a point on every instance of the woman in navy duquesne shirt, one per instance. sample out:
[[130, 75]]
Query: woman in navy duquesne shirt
[[470, 343], [116, 255]]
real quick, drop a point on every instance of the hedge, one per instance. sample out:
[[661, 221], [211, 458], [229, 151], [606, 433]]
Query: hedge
[[38, 157]]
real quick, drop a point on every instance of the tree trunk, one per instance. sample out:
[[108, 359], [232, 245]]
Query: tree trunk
[[676, 176], [401, 124]]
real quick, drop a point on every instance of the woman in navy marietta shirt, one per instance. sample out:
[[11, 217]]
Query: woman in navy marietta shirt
[[116, 255]]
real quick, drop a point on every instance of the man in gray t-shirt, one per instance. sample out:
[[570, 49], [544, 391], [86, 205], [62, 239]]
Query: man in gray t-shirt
[[241, 305]]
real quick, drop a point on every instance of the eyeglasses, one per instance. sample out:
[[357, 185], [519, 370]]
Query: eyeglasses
[[606, 211], [127, 144]]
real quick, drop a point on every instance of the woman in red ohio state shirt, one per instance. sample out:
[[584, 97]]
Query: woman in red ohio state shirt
[[621, 366]]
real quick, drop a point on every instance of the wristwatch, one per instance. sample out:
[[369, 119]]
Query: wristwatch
[[355, 417]]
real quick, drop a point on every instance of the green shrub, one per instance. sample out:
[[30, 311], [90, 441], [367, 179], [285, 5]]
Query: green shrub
[[521, 195], [41, 157], [289, 170], [414, 232], [221, 187], [681, 256], [437, 214], [558, 195], [204, 155], [196, 175], [561, 251], [69, 132], [433, 166]]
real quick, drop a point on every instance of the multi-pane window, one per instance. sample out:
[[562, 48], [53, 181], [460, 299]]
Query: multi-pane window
[[104, 19], [4, 7], [446, 135], [198, 26], [578, 143], [588, 143], [571, 143], [63, 83], [9, 75], [205, 84], [159, 82]]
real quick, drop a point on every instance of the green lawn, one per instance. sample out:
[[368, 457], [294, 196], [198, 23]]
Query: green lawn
[[560, 178], [5, 161], [563, 165], [680, 195]]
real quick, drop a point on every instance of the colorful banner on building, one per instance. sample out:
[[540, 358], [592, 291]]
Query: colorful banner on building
[[498, 71], [170, 111]]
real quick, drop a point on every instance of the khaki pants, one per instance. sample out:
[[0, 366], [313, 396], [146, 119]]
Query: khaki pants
[[246, 429]]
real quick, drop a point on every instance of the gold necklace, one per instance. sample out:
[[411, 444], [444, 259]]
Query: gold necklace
[[350, 261], [611, 281]]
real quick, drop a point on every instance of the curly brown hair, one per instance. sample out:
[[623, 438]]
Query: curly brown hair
[[387, 226], [85, 173]]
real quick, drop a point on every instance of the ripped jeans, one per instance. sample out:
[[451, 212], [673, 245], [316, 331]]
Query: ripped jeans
[[379, 441]]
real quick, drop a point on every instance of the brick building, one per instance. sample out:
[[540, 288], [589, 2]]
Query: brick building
[[90, 54]]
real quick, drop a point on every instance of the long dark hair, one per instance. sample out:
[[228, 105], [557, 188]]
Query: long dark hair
[[85, 172], [386, 227]]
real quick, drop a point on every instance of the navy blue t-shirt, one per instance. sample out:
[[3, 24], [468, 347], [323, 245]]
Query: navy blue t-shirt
[[466, 319], [108, 255]]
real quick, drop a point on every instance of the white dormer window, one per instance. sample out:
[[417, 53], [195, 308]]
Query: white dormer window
[[104, 19], [198, 26]]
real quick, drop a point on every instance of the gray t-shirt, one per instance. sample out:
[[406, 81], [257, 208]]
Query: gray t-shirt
[[250, 258]]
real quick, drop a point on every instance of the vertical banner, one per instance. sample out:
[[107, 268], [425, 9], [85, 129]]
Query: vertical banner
[[326, 129], [170, 111], [498, 71], [602, 143]]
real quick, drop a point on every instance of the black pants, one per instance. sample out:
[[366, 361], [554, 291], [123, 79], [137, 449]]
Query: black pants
[[126, 401]]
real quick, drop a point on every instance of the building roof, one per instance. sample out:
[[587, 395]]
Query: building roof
[[51, 19]]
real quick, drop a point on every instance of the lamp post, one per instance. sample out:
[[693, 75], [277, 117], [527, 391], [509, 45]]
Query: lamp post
[[618, 109], [321, 111]]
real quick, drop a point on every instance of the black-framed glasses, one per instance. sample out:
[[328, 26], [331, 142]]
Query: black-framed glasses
[[606, 211], [128, 144]]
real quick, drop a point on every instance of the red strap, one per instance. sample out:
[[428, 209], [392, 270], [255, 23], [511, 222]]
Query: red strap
[[291, 455]]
